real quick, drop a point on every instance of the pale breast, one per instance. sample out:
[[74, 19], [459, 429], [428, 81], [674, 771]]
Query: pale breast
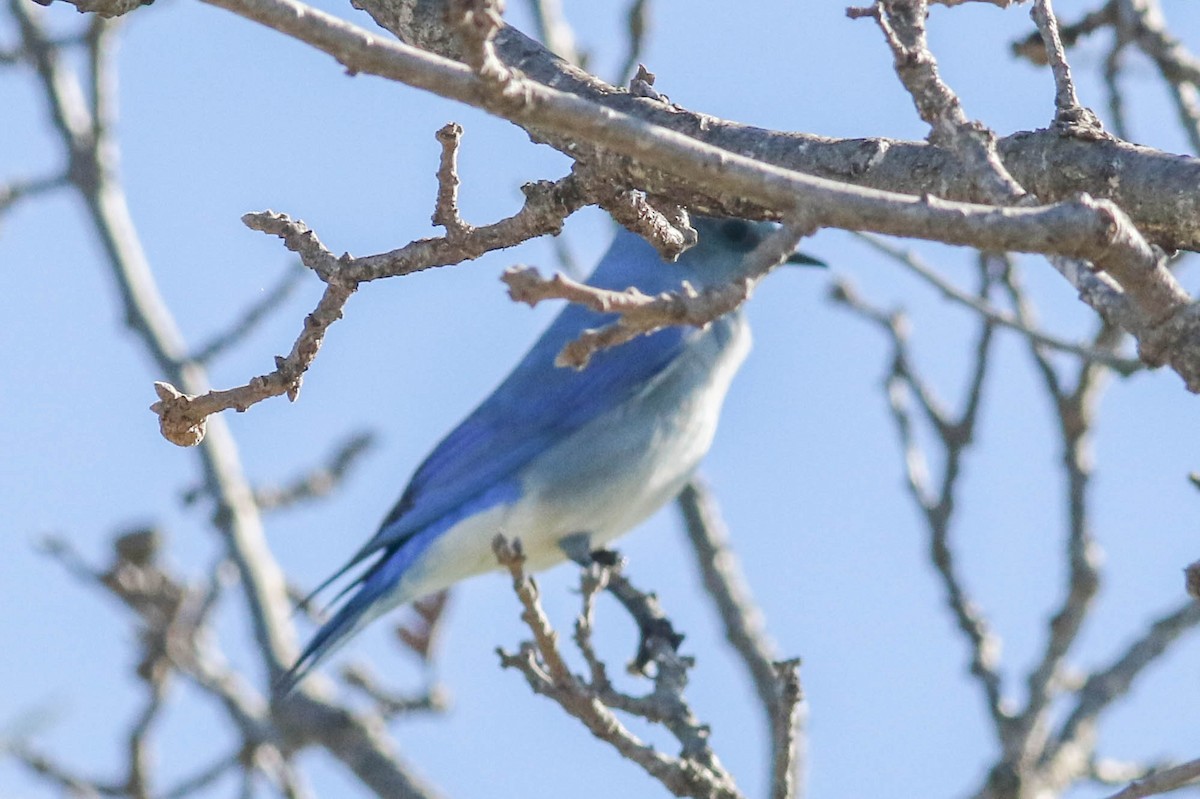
[[612, 474], [608, 476]]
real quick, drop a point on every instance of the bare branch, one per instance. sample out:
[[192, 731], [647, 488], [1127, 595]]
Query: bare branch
[[903, 26], [1069, 113], [1116, 100], [592, 580], [1106, 771], [909, 259], [637, 24], [1141, 21], [785, 744], [631, 162], [1145, 21], [1170, 779], [390, 704], [1169, 330], [1093, 228], [640, 314], [137, 782], [183, 417], [73, 784], [1033, 46], [1107, 685], [320, 481], [445, 212], [1136, 178], [202, 779], [1192, 580], [478, 22], [670, 234], [17, 190], [350, 738], [744, 627], [555, 32], [251, 317], [149, 317], [1187, 106], [903, 383], [99, 41], [696, 773], [1075, 411]]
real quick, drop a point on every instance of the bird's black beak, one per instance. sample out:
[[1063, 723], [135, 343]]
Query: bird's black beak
[[800, 259]]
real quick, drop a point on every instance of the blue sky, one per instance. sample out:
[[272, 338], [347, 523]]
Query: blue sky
[[220, 117]]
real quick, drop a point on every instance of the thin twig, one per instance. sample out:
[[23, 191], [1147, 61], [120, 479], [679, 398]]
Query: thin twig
[[1033, 47], [445, 212], [183, 417], [72, 784], [786, 740], [742, 620], [909, 259], [17, 190], [555, 32], [637, 25], [1075, 411], [1106, 685], [190, 786], [640, 314], [1170, 328], [696, 773], [317, 482], [1069, 113], [138, 781], [954, 433], [251, 317], [903, 25], [1171, 779], [348, 737], [391, 704], [1112, 84], [477, 23]]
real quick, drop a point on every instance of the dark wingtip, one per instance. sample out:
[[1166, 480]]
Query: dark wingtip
[[800, 259], [284, 684]]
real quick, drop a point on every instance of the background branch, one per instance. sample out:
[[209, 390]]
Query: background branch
[[1106, 213]]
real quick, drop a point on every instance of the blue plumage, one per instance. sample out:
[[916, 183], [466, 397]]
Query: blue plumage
[[555, 452]]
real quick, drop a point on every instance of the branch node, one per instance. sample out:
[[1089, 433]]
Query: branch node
[[175, 420], [445, 212]]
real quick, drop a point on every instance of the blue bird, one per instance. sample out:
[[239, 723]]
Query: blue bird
[[555, 454]]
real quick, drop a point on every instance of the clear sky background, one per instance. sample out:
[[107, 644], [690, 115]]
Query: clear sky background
[[220, 116]]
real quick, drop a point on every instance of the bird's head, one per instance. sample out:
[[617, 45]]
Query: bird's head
[[720, 252]]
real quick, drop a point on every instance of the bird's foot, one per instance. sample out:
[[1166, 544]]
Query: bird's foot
[[653, 625], [609, 558]]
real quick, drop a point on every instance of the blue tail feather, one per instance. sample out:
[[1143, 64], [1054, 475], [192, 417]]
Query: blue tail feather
[[379, 589], [359, 609]]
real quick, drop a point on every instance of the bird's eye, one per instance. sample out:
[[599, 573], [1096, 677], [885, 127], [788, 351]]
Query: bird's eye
[[739, 234]]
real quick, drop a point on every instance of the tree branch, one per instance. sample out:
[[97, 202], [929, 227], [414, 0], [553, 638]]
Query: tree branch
[[695, 773], [1170, 779], [745, 630], [639, 314]]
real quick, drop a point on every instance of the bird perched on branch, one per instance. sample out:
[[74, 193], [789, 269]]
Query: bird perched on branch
[[557, 455]]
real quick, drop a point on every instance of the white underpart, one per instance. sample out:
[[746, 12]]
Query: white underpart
[[607, 477]]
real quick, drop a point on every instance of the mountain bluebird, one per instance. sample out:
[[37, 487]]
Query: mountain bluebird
[[555, 454]]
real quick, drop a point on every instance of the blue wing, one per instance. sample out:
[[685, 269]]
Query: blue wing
[[538, 404]]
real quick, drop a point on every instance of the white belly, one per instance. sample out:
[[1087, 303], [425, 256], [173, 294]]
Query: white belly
[[608, 476]]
